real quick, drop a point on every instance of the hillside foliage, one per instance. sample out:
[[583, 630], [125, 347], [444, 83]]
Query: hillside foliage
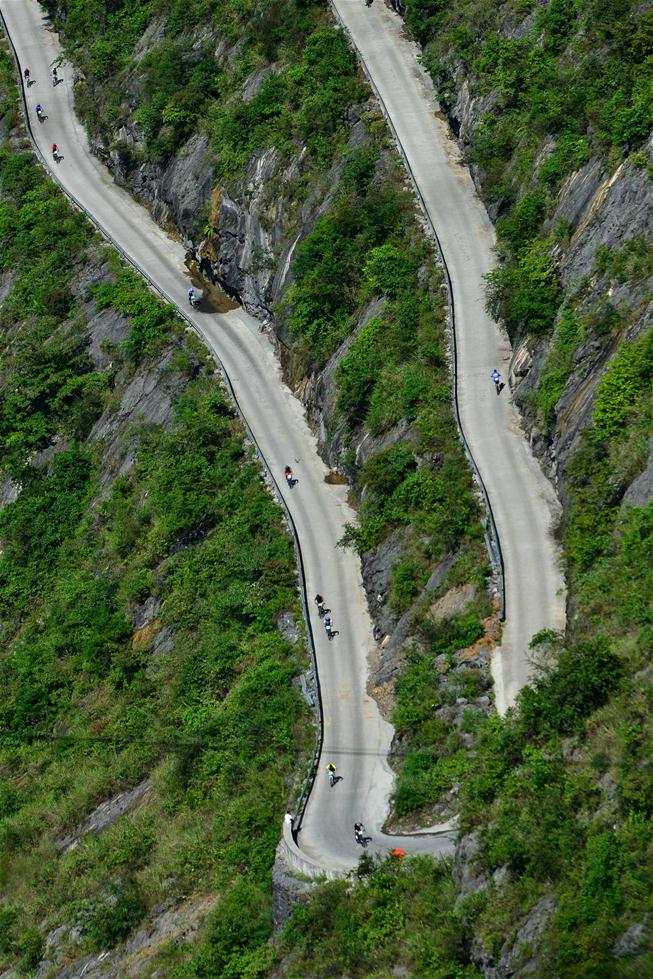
[[565, 80], [199, 701], [558, 796]]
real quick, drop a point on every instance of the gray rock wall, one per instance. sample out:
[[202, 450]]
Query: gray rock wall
[[287, 890], [605, 209]]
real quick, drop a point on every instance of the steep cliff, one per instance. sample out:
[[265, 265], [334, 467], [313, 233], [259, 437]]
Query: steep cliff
[[247, 130], [281, 180]]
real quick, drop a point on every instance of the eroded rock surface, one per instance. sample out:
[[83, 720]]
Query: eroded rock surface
[[104, 816], [519, 955], [178, 924], [287, 891]]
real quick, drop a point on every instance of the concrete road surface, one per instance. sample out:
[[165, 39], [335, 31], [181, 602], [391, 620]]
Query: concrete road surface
[[524, 504], [357, 739]]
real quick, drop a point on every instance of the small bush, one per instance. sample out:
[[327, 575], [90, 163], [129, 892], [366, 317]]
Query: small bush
[[584, 677], [629, 375], [30, 947], [110, 922], [526, 291], [389, 270], [241, 922], [150, 321]]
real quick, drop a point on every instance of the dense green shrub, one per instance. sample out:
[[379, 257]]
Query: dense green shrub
[[390, 270], [303, 99], [630, 375], [359, 369], [613, 451], [525, 291], [225, 717], [108, 922], [30, 946], [584, 677], [236, 930], [559, 365], [401, 917], [55, 385], [38, 524], [328, 263]]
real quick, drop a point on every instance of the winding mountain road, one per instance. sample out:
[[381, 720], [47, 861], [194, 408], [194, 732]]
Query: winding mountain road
[[356, 738], [524, 504]]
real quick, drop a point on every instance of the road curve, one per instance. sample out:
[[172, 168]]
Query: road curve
[[524, 504], [356, 738]]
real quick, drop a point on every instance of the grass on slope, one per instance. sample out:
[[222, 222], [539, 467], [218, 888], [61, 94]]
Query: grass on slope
[[88, 705]]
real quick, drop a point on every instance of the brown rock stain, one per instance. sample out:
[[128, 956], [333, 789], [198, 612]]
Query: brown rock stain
[[143, 637]]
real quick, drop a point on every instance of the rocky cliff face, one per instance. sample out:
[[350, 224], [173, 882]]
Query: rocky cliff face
[[603, 210], [243, 239], [142, 395]]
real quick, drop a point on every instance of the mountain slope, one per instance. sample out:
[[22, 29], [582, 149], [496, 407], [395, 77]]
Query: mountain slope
[[553, 873], [148, 720]]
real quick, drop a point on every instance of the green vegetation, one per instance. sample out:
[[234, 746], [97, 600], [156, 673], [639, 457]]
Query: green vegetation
[[199, 700], [559, 365], [149, 320], [308, 75], [399, 912], [622, 393], [435, 756], [613, 452], [559, 793], [394, 372], [303, 104], [213, 724], [577, 80], [56, 388]]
